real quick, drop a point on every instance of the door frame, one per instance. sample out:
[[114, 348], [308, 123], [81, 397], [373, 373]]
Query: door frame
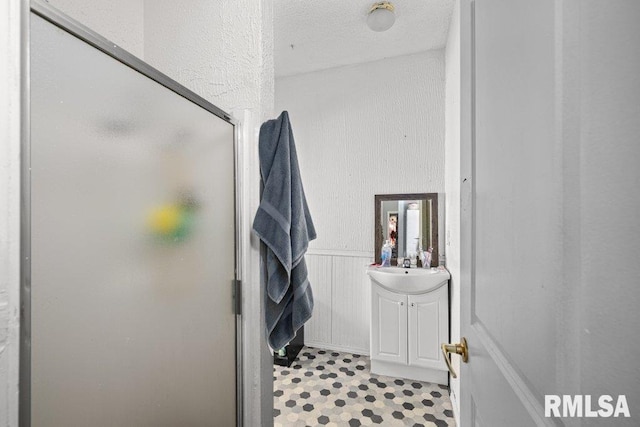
[[14, 127], [76, 29], [467, 180]]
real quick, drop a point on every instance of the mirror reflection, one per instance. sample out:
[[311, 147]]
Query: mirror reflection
[[409, 223]]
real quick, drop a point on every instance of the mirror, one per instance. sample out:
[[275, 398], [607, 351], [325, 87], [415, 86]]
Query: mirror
[[408, 221]]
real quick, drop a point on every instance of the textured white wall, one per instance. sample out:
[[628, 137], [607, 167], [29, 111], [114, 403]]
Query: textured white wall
[[222, 50], [361, 130], [120, 21], [452, 182]]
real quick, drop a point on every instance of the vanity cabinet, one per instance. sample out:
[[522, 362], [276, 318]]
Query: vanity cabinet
[[406, 333]]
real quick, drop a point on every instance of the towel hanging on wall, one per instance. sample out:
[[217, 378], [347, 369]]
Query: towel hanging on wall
[[284, 225]]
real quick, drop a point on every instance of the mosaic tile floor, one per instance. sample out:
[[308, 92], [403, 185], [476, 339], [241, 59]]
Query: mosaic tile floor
[[325, 387]]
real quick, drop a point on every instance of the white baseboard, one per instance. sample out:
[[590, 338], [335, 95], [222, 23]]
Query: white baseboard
[[417, 373], [327, 346], [456, 406]]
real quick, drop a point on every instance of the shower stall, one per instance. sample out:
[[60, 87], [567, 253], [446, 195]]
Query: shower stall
[[129, 242]]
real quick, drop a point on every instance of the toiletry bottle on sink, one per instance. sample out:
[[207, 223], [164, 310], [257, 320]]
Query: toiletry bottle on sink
[[426, 261], [385, 255]]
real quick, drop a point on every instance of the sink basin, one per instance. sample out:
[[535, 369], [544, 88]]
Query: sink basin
[[408, 280]]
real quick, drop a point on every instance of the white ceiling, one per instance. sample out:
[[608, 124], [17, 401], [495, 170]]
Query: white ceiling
[[330, 33]]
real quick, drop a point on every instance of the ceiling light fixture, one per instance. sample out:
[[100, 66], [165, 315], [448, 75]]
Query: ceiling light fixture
[[381, 16]]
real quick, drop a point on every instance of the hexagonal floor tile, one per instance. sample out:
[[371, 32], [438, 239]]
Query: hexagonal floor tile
[[333, 388]]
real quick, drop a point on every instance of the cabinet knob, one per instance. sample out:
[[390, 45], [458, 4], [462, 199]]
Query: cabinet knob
[[401, 303], [413, 304]]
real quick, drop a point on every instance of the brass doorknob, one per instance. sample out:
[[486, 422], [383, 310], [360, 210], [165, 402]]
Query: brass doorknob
[[460, 348]]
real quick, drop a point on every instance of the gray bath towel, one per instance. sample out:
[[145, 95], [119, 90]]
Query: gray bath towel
[[284, 225]]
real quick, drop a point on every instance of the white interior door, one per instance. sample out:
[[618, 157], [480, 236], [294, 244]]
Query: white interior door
[[549, 174], [514, 211], [132, 246]]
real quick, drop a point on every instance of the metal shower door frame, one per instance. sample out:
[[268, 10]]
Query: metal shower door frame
[[76, 29]]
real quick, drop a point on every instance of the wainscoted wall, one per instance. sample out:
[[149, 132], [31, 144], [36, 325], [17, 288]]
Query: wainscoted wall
[[341, 294], [361, 130]]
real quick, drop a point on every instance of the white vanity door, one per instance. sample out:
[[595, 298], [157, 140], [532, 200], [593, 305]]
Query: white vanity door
[[389, 328], [428, 327]]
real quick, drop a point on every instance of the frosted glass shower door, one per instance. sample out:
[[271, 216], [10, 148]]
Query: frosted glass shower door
[[132, 246]]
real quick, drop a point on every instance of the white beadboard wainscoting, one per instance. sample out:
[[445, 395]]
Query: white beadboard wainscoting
[[341, 293]]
